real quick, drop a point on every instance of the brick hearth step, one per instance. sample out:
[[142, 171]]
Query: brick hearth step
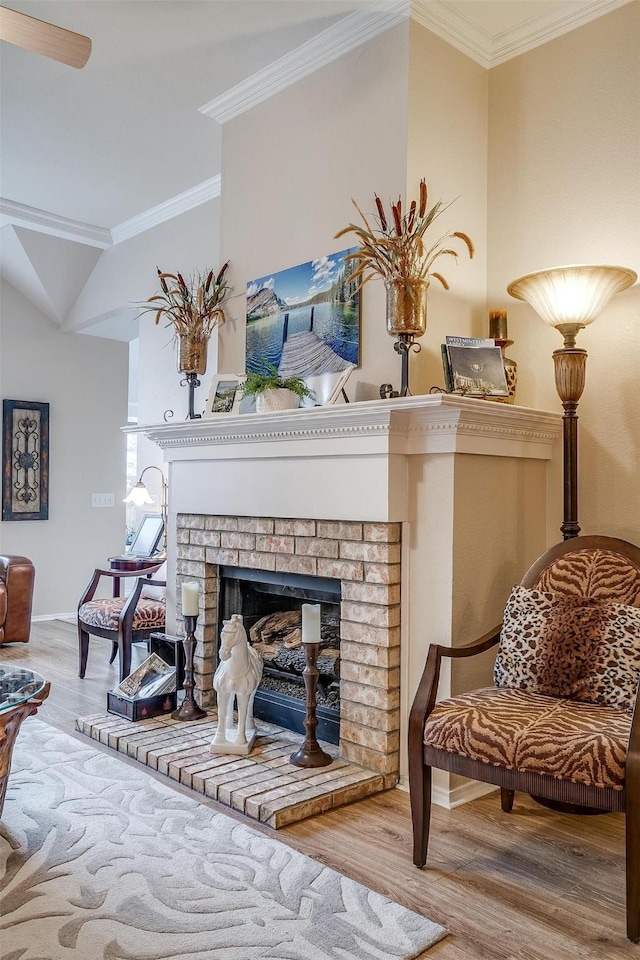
[[263, 786]]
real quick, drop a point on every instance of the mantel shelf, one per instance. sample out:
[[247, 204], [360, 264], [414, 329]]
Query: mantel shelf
[[437, 423]]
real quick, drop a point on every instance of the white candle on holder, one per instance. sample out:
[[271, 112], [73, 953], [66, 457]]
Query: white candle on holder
[[311, 623], [190, 599]]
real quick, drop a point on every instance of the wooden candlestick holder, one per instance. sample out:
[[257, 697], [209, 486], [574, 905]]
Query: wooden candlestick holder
[[310, 753], [189, 709]]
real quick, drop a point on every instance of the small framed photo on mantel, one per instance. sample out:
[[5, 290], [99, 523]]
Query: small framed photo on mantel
[[473, 367], [225, 394]]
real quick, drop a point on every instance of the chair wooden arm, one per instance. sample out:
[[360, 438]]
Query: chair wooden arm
[[125, 620], [425, 698], [633, 750], [92, 586]]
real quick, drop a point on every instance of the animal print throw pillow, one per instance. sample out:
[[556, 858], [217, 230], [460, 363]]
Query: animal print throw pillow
[[571, 647]]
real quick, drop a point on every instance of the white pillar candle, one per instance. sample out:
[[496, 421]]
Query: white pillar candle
[[190, 599], [311, 623]]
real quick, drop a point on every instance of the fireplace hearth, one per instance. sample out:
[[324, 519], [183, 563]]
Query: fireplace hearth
[[271, 605]]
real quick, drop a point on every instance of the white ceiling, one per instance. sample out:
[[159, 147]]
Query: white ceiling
[[99, 154]]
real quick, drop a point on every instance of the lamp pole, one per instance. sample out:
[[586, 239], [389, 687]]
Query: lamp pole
[[140, 495], [570, 365]]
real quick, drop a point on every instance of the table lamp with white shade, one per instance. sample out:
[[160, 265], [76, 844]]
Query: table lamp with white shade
[[139, 495]]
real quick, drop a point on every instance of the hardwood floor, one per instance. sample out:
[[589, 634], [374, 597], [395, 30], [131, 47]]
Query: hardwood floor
[[530, 885]]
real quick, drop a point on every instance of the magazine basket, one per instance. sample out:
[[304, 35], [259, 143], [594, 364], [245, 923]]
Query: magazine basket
[[142, 709]]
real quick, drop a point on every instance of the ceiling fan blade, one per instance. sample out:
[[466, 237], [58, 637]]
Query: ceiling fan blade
[[45, 38]]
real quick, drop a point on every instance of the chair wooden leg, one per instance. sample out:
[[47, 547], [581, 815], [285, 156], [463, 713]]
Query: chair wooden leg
[[114, 651], [632, 838], [124, 649], [420, 797], [83, 650], [506, 799]]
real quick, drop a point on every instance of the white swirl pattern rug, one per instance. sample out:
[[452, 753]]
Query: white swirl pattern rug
[[99, 861]]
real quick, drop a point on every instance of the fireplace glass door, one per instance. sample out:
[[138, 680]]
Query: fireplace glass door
[[271, 605]]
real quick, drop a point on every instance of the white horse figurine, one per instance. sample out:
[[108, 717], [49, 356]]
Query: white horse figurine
[[236, 678]]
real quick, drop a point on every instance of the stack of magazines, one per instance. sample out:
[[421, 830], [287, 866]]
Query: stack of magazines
[[473, 367], [151, 679]]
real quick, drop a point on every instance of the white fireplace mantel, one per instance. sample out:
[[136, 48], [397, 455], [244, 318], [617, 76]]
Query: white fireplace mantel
[[347, 461], [466, 479]]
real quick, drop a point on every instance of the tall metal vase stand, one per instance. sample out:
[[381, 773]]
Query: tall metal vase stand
[[189, 709], [404, 343], [310, 753]]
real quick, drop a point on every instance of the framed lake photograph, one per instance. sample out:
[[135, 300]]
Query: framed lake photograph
[[225, 394], [305, 320]]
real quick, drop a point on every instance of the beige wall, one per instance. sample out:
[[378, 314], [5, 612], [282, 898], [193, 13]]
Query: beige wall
[[289, 168], [564, 187], [124, 276], [84, 380], [447, 144]]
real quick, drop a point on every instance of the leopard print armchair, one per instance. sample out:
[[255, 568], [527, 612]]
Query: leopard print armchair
[[561, 721], [123, 620]]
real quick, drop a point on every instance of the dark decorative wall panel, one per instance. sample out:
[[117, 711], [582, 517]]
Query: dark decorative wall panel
[[25, 460]]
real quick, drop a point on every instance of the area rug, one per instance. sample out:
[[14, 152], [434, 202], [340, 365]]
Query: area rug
[[100, 860]]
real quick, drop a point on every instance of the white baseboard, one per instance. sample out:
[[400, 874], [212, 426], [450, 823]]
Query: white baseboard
[[54, 616], [449, 799]]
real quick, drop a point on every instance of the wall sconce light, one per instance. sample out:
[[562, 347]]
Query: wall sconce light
[[569, 298], [140, 496]]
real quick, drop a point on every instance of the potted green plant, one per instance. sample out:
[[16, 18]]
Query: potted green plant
[[193, 308], [275, 392]]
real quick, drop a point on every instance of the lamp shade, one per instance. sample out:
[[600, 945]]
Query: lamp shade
[[139, 495], [571, 295]]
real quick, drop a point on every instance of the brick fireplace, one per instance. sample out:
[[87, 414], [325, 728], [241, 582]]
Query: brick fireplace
[[426, 509], [365, 557]]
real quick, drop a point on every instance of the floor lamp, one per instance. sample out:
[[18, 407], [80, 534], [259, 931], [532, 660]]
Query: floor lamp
[[140, 496], [569, 298]]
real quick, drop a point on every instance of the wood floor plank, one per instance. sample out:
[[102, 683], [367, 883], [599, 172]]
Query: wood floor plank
[[530, 885]]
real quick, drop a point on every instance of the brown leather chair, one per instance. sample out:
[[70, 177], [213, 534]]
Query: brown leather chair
[[562, 720], [17, 575], [123, 620]]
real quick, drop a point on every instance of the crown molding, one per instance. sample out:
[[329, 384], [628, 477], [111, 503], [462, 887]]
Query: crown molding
[[490, 51], [548, 26], [20, 215], [438, 16], [334, 42], [450, 25], [194, 197]]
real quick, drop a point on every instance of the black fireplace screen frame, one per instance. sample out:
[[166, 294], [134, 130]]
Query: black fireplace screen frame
[[272, 705]]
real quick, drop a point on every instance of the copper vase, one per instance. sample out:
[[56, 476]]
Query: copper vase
[[192, 354], [406, 307]]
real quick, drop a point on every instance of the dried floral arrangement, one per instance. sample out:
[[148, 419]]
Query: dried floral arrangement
[[394, 248], [192, 308]]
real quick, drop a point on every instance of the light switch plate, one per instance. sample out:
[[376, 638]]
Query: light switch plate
[[101, 499]]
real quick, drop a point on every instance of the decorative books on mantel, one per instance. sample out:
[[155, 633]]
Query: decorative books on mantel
[[473, 367]]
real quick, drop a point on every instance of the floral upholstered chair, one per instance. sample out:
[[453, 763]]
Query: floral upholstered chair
[[561, 721], [123, 620]]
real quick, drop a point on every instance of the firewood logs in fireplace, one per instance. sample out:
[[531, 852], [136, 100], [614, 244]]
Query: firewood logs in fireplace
[[277, 637]]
